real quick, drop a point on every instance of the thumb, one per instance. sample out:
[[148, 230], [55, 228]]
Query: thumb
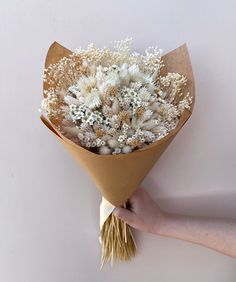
[[124, 214]]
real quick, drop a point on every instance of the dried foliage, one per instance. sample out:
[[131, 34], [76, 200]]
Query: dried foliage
[[113, 101]]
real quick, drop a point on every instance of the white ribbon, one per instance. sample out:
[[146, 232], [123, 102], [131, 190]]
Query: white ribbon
[[106, 208]]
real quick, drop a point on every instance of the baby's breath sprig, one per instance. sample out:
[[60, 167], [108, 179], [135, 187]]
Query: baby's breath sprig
[[114, 101]]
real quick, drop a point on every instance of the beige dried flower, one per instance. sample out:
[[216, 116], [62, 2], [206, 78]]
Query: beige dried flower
[[125, 117], [111, 91], [139, 112], [135, 143], [110, 99], [99, 133]]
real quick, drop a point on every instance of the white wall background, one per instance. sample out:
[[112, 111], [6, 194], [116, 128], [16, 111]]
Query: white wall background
[[48, 205]]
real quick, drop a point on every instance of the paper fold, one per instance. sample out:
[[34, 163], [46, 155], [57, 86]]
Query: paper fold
[[106, 209]]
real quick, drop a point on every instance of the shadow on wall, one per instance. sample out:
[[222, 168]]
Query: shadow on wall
[[217, 204]]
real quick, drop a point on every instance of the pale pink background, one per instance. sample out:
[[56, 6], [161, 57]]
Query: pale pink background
[[49, 206]]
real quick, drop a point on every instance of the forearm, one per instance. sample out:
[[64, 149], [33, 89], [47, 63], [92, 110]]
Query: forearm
[[145, 215], [216, 234]]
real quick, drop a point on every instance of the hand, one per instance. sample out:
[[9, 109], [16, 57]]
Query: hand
[[144, 214]]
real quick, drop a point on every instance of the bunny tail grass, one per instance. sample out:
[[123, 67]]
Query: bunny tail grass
[[117, 241]]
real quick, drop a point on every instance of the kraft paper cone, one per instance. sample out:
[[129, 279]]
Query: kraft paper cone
[[118, 176]]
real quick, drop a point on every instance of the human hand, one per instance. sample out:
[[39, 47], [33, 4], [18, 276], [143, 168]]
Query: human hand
[[143, 214]]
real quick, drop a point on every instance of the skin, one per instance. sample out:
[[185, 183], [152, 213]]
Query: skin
[[145, 215]]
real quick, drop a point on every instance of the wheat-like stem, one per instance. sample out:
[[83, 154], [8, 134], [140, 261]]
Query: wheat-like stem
[[117, 241]]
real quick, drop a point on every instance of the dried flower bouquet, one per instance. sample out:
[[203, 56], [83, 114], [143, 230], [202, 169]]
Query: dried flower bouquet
[[116, 104]]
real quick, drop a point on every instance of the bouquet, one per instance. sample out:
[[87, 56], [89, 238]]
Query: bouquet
[[116, 111]]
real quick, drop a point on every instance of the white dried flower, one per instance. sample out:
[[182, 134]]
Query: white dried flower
[[150, 124], [92, 99], [115, 107], [144, 94], [113, 143], [104, 150], [69, 100], [146, 115], [125, 126], [126, 149], [86, 84], [114, 101], [71, 131], [116, 151], [122, 138], [73, 89]]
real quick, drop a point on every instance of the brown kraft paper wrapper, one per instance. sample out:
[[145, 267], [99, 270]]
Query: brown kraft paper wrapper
[[118, 176]]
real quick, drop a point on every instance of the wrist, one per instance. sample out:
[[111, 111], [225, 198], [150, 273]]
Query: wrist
[[162, 224]]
